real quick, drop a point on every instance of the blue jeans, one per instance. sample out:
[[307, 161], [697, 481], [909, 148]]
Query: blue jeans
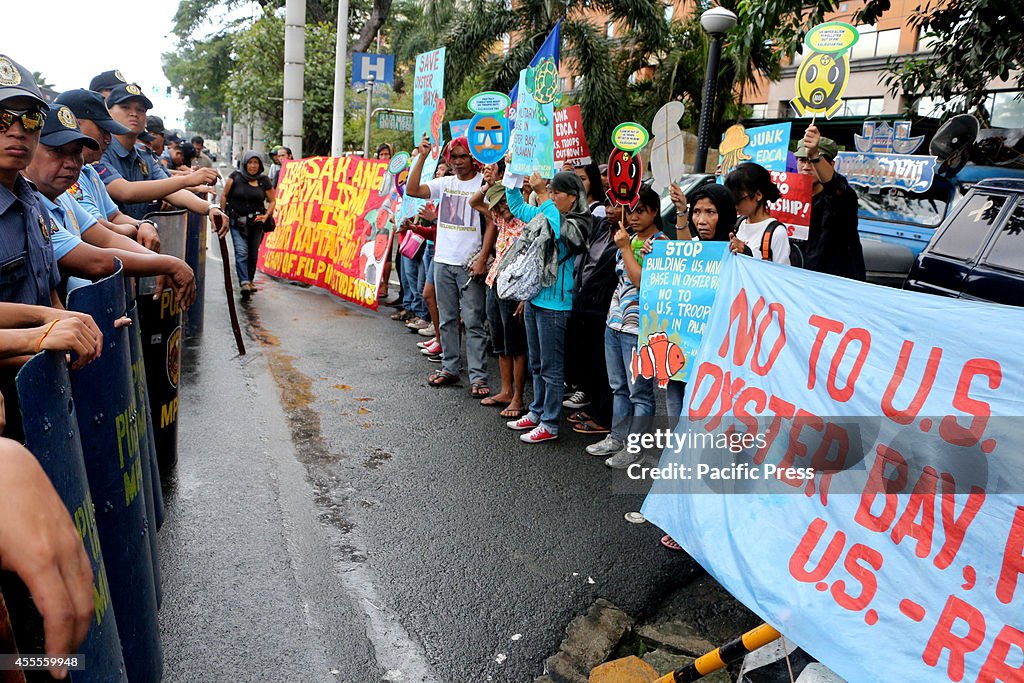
[[545, 339], [629, 399], [246, 251], [412, 295], [456, 294]]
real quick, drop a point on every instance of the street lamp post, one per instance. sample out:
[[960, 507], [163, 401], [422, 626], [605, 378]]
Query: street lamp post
[[716, 21]]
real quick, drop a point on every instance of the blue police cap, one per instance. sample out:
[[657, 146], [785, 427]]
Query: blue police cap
[[108, 80], [61, 128], [89, 105], [126, 92], [17, 81]]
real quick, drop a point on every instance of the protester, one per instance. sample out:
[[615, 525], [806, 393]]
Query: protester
[[590, 175], [201, 159], [384, 152], [585, 367], [283, 154], [632, 396], [547, 314], [508, 336], [459, 288], [833, 243], [757, 233], [40, 543], [248, 199]]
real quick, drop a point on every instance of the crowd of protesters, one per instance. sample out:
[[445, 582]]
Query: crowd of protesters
[[577, 337]]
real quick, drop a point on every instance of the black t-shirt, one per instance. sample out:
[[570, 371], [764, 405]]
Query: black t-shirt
[[246, 199]]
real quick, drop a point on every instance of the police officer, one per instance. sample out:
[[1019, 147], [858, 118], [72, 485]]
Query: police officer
[[105, 82], [28, 269], [128, 106], [55, 167]]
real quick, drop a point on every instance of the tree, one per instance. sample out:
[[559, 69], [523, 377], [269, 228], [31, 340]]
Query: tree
[[972, 44]]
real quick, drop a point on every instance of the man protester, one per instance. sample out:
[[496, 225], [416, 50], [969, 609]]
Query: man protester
[[202, 159], [459, 290], [121, 161], [833, 245], [84, 248]]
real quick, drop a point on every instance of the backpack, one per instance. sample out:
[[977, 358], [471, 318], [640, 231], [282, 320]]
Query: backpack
[[530, 264], [796, 254], [576, 236]]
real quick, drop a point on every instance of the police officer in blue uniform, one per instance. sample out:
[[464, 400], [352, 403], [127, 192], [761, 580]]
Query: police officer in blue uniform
[[105, 82], [128, 106]]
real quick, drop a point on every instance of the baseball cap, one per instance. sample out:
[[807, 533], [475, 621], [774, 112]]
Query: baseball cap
[[173, 138], [108, 80], [89, 105], [61, 128], [826, 146], [494, 195], [17, 81], [126, 92], [155, 125]]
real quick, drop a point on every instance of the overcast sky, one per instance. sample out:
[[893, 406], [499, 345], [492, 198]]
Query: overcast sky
[[56, 45]]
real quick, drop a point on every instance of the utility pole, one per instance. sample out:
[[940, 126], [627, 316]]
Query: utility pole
[[294, 66], [369, 106], [340, 67]]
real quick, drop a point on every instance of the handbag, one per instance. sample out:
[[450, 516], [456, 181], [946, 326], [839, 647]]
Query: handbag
[[269, 225], [411, 244]]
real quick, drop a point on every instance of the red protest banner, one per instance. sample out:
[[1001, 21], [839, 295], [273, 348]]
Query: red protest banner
[[570, 143], [331, 229], [794, 207]]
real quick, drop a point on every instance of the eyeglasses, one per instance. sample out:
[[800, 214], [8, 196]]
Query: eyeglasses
[[31, 119]]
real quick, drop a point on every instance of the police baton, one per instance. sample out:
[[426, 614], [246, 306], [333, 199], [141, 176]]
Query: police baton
[[231, 295]]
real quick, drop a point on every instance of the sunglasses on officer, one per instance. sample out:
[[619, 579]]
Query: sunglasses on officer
[[31, 119]]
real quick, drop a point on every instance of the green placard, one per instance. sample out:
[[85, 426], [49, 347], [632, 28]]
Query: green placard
[[391, 121]]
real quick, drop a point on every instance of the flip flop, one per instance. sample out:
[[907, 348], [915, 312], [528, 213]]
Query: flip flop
[[480, 390], [443, 378], [489, 401], [670, 543], [512, 414]]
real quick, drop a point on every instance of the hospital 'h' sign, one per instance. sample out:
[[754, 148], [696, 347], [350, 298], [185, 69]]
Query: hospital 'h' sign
[[367, 66]]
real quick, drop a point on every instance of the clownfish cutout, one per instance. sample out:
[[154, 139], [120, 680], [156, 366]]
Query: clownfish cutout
[[659, 359], [625, 172]]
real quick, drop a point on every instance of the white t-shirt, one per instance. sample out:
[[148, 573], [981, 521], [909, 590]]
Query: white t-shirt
[[458, 224], [751, 233]]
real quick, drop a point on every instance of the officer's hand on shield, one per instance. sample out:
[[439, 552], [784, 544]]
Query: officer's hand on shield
[[39, 542], [181, 279], [91, 331], [73, 335], [149, 237]]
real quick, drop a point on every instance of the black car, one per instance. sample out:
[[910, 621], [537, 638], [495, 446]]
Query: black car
[[978, 251]]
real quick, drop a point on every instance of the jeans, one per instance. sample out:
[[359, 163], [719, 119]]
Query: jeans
[[545, 339], [412, 288], [456, 294], [247, 250], [629, 399], [674, 395]]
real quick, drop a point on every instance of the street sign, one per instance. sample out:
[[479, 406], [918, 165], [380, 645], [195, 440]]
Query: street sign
[[367, 66], [387, 120]]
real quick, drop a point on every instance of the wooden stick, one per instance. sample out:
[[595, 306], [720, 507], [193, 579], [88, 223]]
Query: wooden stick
[[231, 295]]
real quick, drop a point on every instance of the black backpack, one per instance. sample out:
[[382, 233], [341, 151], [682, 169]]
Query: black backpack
[[796, 254]]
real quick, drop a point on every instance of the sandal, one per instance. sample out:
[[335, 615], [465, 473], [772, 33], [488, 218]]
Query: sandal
[[670, 543], [512, 413], [489, 401], [480, 389], [402, 316], [443, 378], [589, 427]]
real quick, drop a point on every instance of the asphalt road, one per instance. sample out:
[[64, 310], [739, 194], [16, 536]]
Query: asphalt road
[[334, 518]]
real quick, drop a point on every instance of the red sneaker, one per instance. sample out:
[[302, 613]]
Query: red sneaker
[[522, 424], [431, 349], [539, 434]]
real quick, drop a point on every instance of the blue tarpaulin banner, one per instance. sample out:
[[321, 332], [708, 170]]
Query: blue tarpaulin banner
[[851, 469]]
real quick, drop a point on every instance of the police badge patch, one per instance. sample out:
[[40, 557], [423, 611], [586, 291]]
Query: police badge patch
[[8, 72], [66, 118]]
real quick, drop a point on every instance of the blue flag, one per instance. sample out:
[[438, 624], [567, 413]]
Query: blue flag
[[551, 49]]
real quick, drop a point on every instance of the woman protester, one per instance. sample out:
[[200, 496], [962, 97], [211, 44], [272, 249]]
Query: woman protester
[[757, 234], [248, 200], [547, 314]]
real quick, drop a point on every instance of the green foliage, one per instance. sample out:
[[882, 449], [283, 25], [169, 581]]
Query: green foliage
[[973, 44], [199, 71]]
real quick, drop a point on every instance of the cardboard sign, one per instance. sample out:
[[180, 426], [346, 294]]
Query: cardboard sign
[[533, 145], [428, 114], [794, 207], [570, 142], [822, 77], [669, 147], [676, 292]]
